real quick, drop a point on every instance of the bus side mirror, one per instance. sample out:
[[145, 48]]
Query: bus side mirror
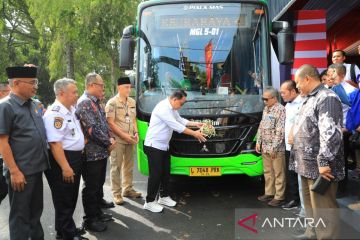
[[127, 49], [285, 40]]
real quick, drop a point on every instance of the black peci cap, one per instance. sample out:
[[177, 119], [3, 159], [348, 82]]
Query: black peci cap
[[123, 80], [21, 72]]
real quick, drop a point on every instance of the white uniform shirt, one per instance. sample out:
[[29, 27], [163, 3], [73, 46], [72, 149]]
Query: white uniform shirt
[[62, 126], [348, 71], [292, 110], [164, 120]]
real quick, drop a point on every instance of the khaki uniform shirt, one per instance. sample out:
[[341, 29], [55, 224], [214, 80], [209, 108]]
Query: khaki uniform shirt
[[121, 111]]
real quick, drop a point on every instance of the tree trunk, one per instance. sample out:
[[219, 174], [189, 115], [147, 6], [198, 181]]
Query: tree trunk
[[113, 67], [69, 48]]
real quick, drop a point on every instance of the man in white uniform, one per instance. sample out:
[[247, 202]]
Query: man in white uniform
[[66, 142]]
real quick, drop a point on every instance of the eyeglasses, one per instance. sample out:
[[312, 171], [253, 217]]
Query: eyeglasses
[[34, 82], [267, 99]]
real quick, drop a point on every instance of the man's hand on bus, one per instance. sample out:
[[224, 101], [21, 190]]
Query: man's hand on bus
[[199, 136], [197, 124], [258, 148]]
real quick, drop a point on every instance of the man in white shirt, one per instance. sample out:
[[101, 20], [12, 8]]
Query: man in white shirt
[[290, 95], [164, 120], [66, 141], [339, 56]]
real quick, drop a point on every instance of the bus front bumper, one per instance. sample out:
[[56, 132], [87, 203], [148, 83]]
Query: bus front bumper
[[247, 163]]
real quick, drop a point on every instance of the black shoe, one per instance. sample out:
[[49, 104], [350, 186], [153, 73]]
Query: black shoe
[[276, 203], [80, 231], [106, 204], [265, 198], [94, 226], [105, 217], [341, 194], [58, 236], [290, 205]]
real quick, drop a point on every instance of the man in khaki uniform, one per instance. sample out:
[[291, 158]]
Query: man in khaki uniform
[[121, 116]]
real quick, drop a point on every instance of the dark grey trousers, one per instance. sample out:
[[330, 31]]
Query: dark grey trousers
[[26, 208]]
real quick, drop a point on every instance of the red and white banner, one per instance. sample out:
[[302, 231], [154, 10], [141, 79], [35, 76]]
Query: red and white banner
[[310, 39]]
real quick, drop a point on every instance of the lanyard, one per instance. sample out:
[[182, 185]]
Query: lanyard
[[127, 117], [126, 109]]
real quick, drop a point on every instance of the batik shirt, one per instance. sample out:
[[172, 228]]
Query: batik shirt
[[318, 136], [95, 127], [271, 130]]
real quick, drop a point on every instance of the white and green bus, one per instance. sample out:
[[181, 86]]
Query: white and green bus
[[219, 52]]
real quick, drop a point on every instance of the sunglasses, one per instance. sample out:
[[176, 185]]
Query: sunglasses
[[266, 99]]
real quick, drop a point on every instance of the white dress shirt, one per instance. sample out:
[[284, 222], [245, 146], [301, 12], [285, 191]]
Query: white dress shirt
[[292, 110], [62, 126], [164, 120], [348, 71]]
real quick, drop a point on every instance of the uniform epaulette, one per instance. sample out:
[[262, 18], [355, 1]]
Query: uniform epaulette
[[56, 108]]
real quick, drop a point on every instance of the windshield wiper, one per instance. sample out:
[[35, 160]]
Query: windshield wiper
[[205, 100], [224, 109], [237, 112]]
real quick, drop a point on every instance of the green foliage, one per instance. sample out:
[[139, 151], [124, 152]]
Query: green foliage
[[41, 31]]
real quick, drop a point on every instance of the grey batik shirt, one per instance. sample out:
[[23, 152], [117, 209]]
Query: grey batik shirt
[[318, 136]]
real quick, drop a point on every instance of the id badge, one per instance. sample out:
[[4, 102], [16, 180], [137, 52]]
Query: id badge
[[127, 119]]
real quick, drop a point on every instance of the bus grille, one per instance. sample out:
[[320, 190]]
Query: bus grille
[[229, 141]]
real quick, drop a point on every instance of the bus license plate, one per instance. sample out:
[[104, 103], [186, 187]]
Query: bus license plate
[[205, 171]]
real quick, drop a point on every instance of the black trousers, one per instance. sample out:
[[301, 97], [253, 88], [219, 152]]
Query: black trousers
[[3, 185], [64, 194], [103, 179], [26, 208], [292, 183], [94, 173], [159, 173], [347, 152]]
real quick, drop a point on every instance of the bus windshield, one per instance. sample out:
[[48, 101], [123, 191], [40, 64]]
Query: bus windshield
[[217, 52]]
